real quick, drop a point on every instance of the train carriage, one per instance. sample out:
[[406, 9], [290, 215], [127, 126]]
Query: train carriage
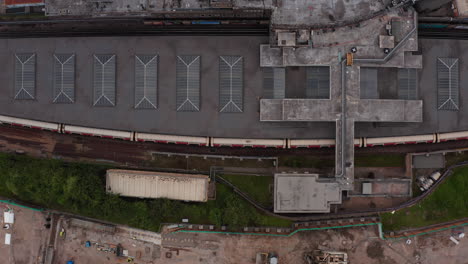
[[442, 137], [98, 132], [319, 143], [183, 140], [390, 141], [311, 143], [14, 121], [243, 142]]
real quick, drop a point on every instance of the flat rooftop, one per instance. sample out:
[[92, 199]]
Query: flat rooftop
[[305, 193], [208, 121]]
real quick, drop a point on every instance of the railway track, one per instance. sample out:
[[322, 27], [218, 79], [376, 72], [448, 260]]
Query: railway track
[[75, 147], [179, 30], [102, 148], [443, 33]]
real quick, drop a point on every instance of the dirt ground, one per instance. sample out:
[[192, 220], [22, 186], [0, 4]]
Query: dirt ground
[[379, 172], [28, 236], [142, 246], [368, 203], [362, 244]]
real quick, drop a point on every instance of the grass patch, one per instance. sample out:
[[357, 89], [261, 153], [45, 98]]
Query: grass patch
[[202, 164], [80, 188], [374, 160], [306, 162], [15, 17], [453, 158], [449, 202], [257, 187], [387, 160]]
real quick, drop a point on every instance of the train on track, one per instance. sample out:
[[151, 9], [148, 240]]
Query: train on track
[[228, 142]]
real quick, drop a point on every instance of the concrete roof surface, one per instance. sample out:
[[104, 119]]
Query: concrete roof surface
[[304, 193]]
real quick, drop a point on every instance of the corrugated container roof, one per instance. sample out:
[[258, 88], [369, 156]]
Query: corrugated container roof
[[146, 184], [7, 239]]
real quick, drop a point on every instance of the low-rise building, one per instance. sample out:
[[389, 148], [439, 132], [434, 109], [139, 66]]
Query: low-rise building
[[149, 184], [305, 193]]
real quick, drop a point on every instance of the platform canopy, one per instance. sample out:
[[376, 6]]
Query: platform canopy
[[148, 184]]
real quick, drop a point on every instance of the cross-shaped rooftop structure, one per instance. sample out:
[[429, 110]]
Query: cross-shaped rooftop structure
[[345, 105]]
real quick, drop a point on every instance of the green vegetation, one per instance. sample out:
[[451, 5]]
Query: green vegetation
[[80, 188], [9, 17], [382, 160], [257, 187], [307, 162], [374, 160], [448, 202], [202, 164], [453, 158]]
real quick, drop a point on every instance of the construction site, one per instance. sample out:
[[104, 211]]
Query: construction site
[[49, 237]]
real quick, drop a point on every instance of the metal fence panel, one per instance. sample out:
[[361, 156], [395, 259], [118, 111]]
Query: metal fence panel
[[146, 81], [25, 76], [407, 84], [188, 83], [318, 82], [64, 78], [368, 82], [104, 80], [231, 84], [447, 84], [274, 83]]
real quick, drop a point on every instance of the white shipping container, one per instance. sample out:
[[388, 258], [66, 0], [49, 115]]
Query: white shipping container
[[7, 239], [8, 217], [436, 175]]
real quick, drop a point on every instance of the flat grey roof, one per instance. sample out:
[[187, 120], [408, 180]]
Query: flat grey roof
[[304, 193], [146, 81], [434, 161], [208, 121]]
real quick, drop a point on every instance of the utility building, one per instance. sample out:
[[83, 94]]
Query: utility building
[[305, 193], [148, 184]]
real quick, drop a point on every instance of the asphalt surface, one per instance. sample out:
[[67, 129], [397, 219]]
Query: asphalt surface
[[207, 122]]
